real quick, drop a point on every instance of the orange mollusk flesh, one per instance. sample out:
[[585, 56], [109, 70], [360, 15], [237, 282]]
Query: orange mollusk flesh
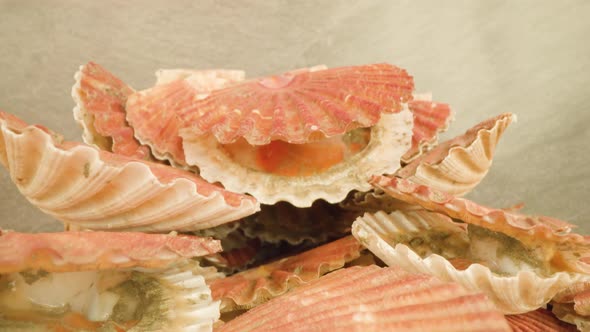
[[285, 159]]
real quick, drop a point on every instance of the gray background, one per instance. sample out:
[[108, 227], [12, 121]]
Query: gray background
[[483, 57]]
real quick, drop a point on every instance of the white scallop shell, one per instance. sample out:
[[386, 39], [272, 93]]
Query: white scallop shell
[[458, 165], [512, 294], [390, 139], [89, 189], [189, 304]]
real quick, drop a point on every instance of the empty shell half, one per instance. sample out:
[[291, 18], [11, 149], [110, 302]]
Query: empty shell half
[[91, 189], [502, 268], [456, 166], [374, 299], [100, 109], [112, 281]]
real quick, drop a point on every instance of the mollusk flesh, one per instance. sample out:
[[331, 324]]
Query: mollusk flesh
[[97, 280]]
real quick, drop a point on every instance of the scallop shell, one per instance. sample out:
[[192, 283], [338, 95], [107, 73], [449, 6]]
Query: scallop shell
[[430, 119], [458, 165], [253, 287], [173, 299], [390, 138], [373, 299], [76, 251], [285, 222], [100, 109], [510, 293], [566, 313], [153, 113], [93, 189], [550, 237], [293, 106], [538, 320]]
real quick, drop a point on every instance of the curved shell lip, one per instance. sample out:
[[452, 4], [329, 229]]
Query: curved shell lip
[[456, 166], [258, 126], [390, 138], [430, 119], [476, 277], [86, 251], [100, 99], [154, 119], [82, 186]]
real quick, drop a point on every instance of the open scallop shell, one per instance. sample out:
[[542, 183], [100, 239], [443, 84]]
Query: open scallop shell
[[510, 289], [153, 113], [374, 299], [293, 106], [538, 320], [100, 109], [390, 138], [548, 237], [91, 189], [430, 119], [174, 295], [173, 299], [285, 222], [253, 287], [75, 251], [458, 165]]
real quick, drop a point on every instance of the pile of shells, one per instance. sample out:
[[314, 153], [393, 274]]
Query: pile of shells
[[315, 199]]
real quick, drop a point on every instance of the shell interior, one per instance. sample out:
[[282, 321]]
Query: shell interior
[[389, 139], [425, 242]]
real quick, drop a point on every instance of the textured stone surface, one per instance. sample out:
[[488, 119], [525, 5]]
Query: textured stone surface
[[483, 58]]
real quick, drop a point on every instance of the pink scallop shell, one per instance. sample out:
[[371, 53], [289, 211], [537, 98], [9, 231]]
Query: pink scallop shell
[[257, 285], [430, 119], [77, 251], [373, 299], [573, 250], [538, 320], [456, 166], [93, 189], [153, 113], [293, 106], [100, 109]]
